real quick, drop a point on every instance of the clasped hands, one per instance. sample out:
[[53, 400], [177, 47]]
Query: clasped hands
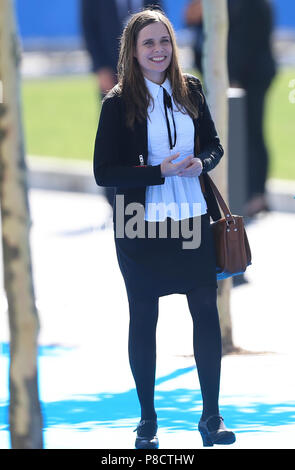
[[188, 167]]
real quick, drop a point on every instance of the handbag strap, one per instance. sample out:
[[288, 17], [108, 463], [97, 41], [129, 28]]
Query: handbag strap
[[224, 207]]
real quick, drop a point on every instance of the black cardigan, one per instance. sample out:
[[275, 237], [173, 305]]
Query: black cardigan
[[118, 150]]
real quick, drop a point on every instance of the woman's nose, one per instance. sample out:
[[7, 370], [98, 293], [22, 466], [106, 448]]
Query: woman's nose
[[158, 47]]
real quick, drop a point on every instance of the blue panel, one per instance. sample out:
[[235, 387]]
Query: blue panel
[[175, 10], [285, 13], [41, 18], [60, 18]]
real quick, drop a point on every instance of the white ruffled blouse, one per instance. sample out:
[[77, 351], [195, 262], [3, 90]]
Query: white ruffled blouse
[[179, 197]]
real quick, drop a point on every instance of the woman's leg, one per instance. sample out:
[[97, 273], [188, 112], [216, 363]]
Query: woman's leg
[[202, 303], [258, 156], [142, 351]]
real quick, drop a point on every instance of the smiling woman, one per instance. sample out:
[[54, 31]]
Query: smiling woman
[[145, 147]]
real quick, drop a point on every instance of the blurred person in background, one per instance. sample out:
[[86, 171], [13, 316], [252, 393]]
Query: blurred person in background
[[102, 25], [193, 17], [251, 66]]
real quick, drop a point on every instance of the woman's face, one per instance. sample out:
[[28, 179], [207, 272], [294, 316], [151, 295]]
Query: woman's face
[[154, 51]]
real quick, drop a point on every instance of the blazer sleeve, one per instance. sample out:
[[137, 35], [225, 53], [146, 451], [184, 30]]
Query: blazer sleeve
[[108, 154], [211, 149]]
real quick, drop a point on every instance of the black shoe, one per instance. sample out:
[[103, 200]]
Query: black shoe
[[147, 434], [213, 431]]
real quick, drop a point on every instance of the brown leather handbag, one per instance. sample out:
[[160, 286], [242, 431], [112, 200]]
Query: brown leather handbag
[[232, 248]]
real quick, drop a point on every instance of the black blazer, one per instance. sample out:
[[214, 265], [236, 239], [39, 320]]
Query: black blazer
[[118, 150], [102, 28]]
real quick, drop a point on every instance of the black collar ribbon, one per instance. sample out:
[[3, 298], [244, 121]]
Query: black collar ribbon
[[168, 104]]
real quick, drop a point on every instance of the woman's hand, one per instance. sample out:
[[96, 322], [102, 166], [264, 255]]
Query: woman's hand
[[193, 169], [106, 79], [172, 169]]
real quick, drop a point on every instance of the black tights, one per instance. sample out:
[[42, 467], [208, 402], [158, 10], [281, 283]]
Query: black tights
[[202, 304]]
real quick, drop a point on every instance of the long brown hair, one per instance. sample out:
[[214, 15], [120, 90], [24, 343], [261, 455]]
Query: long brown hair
[[131, 84]]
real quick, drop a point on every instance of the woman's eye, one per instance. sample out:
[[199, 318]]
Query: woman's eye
[[150, 43]]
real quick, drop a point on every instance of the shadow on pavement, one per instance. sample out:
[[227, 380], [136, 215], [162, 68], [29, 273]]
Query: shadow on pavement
[[177, 409]]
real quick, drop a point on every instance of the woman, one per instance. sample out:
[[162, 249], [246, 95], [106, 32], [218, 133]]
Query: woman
[[145, 147]]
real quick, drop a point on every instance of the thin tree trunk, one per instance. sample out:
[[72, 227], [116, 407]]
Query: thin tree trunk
[[215, 17], [24, 409]]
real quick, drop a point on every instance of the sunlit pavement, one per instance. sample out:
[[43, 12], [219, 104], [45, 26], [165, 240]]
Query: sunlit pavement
[[86, 387]]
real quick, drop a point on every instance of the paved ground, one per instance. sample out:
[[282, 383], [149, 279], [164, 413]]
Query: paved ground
[[86, 388]]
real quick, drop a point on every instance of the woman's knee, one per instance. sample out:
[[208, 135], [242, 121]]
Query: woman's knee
[[203, 300], [143, 310]]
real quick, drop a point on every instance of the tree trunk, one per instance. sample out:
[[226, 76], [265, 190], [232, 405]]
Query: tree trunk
[[215, 18], [25, 417]]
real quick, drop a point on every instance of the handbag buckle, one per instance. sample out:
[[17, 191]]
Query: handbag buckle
[[230, 221]]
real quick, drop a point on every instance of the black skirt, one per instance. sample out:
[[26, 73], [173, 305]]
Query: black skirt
[[159, 264]]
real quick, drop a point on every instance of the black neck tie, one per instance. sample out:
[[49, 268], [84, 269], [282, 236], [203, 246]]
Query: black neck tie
[[168, 104]]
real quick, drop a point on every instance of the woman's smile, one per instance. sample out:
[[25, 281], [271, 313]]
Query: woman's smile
[[158, 59]]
